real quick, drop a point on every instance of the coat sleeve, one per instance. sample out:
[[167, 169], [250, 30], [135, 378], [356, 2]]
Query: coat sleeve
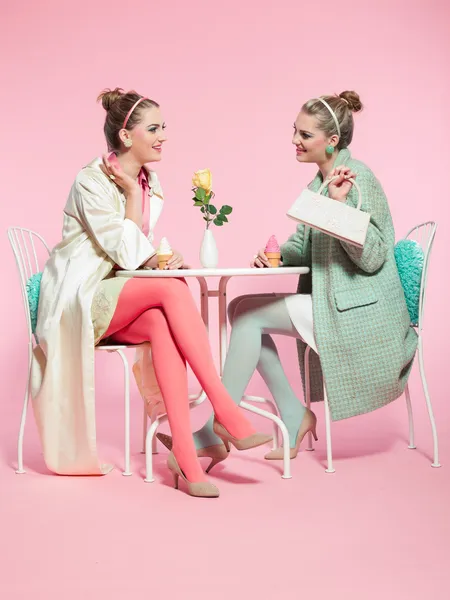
[[296, 252], [121, 239], [372, 256]]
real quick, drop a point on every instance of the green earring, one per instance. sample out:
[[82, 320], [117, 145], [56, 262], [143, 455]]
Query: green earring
[[329, 149]]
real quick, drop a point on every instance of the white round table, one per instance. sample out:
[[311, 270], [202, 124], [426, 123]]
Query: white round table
[[204, 276]]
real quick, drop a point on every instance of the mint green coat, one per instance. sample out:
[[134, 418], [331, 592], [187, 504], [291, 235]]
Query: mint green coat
[[361, 323]]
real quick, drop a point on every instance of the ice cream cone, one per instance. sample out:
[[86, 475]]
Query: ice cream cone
[[274, 258], [163, 259], [273, 252]]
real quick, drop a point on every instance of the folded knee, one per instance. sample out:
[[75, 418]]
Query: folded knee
[[232, 308], [175, 286], [153, 317], [236, 306]]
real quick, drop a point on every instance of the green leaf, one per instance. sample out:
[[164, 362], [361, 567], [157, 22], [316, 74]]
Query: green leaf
[[200, 194], [223, 218], [198, 203], [217, 222], [226, 210], [212, 209], [206, 219], [203, 209]]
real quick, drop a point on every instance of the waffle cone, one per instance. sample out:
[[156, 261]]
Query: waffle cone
[[274, 258], [163, 259]]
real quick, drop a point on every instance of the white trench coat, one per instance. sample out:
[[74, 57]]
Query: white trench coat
[[96, 236]]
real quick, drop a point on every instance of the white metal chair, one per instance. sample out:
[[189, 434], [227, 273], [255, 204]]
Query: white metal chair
[[26, 246], [424, 234], [23, 243]]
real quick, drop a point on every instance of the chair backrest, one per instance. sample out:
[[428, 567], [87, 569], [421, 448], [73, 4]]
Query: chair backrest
[[424, 235], [27, 246]]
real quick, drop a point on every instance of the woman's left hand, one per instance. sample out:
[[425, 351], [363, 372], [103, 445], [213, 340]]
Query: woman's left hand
[[340, 187], [176, 262]]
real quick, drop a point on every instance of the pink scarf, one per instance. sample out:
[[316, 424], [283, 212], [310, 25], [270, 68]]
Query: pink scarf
[[143, 182]]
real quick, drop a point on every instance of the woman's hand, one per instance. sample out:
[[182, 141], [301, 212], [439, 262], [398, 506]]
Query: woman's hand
[[260, 260], [176, 262], [340, 187], [121, 179], [152, 262]]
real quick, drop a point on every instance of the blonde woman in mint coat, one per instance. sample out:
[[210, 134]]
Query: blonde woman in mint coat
[[350, 310]]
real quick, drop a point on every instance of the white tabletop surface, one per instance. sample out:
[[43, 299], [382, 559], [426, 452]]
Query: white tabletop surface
[[229, 272]]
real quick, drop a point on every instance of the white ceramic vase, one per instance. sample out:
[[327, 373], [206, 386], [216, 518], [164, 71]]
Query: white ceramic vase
[[209, 255]]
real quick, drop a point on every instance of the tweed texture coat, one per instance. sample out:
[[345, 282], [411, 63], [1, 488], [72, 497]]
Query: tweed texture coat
[[362, 328]]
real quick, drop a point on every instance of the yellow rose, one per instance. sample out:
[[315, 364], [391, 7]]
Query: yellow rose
[[203, 179]]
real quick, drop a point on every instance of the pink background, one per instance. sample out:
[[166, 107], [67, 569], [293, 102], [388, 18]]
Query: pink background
[[230, 78]]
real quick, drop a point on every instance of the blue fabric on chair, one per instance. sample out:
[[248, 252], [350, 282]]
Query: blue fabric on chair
[[33, 288], [409, 257]]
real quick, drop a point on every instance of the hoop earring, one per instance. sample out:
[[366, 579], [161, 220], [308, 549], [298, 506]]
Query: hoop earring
[[329, 149], [128, 143]]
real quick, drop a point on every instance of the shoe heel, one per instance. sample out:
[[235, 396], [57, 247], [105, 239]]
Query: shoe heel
[[226, 444], [313, 431], [202, 489], [213, 463]]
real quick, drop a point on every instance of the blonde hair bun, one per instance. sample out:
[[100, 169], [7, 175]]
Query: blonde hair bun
[[353, 100]]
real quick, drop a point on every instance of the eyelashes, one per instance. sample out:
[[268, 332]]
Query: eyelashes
[[306, 136], [155, 129]]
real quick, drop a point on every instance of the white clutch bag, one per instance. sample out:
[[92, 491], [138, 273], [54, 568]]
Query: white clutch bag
[[330, 216]]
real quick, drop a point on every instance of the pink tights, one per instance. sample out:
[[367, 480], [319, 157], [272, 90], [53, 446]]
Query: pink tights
[[163, 312]]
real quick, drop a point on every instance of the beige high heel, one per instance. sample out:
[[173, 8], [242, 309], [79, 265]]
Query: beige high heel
[[251, 441], [309, 423], [200, 489], [217, 452]]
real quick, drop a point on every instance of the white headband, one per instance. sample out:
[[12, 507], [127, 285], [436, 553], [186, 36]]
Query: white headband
[[332, 113]]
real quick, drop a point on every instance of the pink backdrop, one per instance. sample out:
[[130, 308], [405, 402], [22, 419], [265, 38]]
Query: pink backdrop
[[230, 79]]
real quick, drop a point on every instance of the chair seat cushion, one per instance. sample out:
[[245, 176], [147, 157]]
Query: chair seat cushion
[[409, 257], [33, 288]]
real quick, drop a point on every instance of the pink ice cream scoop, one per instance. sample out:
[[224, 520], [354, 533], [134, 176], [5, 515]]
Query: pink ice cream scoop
[[273, 252], [272, 245]]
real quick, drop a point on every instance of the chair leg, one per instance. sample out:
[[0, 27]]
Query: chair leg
[[330, 468], [435, 462], [144, 434], [411, 444], [154, 444], [126, 372], [150, 439], [310, 447], [148, 450], [284, 432], [20, 470], [273, 407], [276, 441], [144, 428]]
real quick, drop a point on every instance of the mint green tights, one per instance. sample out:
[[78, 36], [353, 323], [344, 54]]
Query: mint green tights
[[253, 318]]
